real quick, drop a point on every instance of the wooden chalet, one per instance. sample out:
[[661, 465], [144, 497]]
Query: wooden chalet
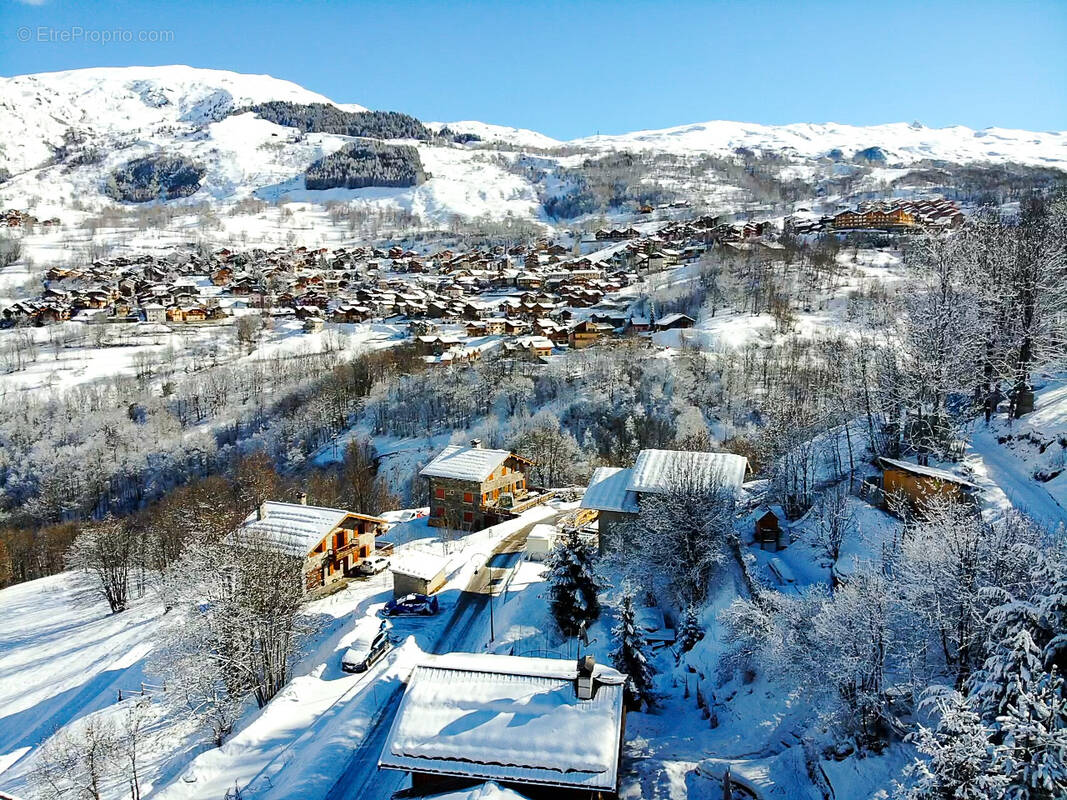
[[331, 541]]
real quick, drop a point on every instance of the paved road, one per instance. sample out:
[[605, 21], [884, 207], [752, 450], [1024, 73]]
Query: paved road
[[361, 779]]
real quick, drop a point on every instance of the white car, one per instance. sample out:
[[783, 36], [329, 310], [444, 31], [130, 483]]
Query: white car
[[372, 565], [362, 656]]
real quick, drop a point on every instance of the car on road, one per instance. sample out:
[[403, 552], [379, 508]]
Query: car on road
[[412, 605], [372, 565], [361, 656]]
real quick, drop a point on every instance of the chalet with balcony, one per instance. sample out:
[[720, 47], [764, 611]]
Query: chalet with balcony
[[331, 541], [472, 487]]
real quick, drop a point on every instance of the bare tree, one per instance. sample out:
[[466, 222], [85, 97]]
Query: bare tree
[[107, 551]]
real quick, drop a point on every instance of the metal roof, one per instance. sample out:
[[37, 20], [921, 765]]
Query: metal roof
[[608, 491], [656, 470], [508, 718]]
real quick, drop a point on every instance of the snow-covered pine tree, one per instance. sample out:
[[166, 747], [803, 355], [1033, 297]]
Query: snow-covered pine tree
[[630, 655], [1032, 753], [959, 750], [1014, 662], [692, 632], [572, 584]]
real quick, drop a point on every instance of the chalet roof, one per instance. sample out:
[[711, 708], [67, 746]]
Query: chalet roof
[[465, 463], [293, 528], [608, 491], [508, 718], [928, 472], [655, 470], [672, 318]]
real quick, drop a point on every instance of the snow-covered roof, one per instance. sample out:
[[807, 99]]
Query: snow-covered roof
[[608, 491], [655, 470], [483, 791], [672, 318], [930, 472], [421, 565], [291, 527], [508, 718], [465, 463]]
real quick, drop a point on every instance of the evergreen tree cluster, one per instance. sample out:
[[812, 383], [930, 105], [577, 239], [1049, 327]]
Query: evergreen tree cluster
[[324, 118], [459, 138], [361, 164], [572, 584], [156, 177], [1006, 734]]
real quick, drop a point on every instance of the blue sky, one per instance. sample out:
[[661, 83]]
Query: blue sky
[[573, 69]]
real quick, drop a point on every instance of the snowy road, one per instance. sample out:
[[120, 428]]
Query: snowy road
[[1014, 485], [361, 779]]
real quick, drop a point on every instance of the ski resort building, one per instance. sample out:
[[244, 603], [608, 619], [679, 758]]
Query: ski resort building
[[331, 541], [472, 487], [544, 727], [616, 493]]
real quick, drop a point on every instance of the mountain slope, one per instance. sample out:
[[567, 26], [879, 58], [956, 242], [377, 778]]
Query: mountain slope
[[900, 142], [36, 110], [62, 135]]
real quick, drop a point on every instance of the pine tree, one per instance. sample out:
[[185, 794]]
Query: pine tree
[[959, 750], [630, 655], [573, 585], [692, 632], [1014, 663], [1033, 749]]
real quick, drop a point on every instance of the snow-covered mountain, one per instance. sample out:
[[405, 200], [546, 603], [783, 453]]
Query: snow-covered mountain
[[899, 142], [62, 134]]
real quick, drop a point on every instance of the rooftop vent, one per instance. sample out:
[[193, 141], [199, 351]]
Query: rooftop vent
[[476, 443], [302, 498]]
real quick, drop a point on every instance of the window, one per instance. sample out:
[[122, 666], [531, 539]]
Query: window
[[468, 516], [439, 494], [339, 540], [468, 497], [439, 511]]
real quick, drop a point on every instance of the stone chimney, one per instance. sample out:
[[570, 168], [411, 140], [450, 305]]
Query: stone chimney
[[302, 498], [586, 684], [261, 510], [476, 443]]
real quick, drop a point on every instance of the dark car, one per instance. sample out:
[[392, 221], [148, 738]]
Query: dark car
[[360, 659], [411, 605]]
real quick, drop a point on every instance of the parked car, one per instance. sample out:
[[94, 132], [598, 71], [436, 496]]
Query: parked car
[[372, 565], [411, 605], [361, 657]]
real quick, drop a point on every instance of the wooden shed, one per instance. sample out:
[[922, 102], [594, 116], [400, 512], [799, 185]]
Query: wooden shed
[[769, 526], [916, 486]]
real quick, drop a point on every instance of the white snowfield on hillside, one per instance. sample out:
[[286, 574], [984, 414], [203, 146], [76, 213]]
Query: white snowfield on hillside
[[125, 100], [901, 142], [118, 114]]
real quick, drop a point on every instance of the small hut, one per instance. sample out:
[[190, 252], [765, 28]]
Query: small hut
[[770, 524]]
